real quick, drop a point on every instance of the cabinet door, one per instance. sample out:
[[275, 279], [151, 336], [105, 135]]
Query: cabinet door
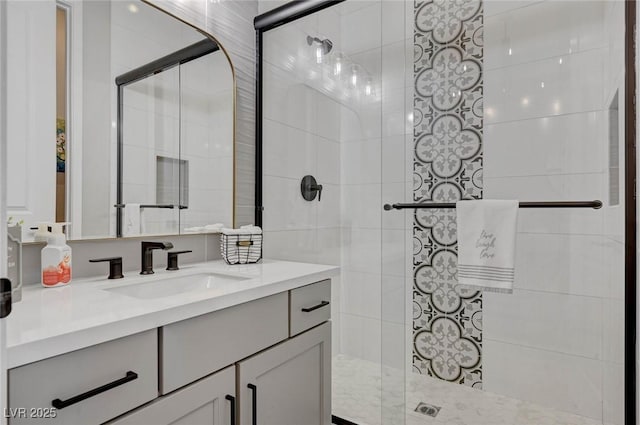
[[289, 384], [209, 401]]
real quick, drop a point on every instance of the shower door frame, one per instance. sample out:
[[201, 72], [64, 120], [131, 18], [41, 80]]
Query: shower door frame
[[297, 9], [630, 216]]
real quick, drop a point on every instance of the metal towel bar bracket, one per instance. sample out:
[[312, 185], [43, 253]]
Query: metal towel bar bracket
[[553, 204]]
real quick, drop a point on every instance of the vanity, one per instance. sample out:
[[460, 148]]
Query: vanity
[[144, 147], [246, 344]]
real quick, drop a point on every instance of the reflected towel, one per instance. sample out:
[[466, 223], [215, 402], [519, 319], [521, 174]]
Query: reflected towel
[[132, 220], [486, 244]]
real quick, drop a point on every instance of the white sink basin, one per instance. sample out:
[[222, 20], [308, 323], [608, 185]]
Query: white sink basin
[[169, 286]]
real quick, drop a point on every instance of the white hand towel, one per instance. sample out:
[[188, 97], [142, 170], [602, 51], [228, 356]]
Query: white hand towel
[[132, 220], [244, 230], [487, 244]]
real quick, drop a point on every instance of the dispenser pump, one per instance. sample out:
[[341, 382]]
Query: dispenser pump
[[57, 236], [43, 233]]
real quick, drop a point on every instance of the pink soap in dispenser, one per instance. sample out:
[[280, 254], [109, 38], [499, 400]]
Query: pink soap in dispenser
[[56, 258]]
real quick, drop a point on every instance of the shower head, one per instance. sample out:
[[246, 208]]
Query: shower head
[[326, 44]]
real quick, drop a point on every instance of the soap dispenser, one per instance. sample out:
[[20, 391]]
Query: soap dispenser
[[56, 258]]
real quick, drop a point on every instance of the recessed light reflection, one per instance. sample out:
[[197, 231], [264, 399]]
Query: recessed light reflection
[[560, 61], [525, 101], [410, 117], [510, 52], [541, 84], [132, 8]]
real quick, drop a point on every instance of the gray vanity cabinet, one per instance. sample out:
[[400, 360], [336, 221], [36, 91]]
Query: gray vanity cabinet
[[208, 401], [289, 384], [195, 347], [87, 386], [274, 353]]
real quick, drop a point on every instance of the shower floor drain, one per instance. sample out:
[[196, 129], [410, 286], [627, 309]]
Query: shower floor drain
[[428, 409]]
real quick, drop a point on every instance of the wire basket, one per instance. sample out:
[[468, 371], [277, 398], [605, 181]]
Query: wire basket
[[241, 248]]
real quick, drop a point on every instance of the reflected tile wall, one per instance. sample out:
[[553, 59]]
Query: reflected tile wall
[[447, 165], [231, 22]]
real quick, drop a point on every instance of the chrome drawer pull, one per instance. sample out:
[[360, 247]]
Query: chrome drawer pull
[[61, 404], [315, 307]]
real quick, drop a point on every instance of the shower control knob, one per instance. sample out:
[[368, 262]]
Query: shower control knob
[[309, 188]]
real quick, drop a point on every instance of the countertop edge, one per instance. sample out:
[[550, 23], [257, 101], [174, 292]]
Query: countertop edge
[[33, 351]]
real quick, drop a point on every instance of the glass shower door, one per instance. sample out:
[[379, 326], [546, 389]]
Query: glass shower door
[[335, 108], [388, 102], [520, 100]]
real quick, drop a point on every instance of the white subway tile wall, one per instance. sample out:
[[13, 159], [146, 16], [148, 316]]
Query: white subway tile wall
[[551, 70]]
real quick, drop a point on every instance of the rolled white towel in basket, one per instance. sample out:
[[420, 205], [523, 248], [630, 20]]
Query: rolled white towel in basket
[[486, 244]]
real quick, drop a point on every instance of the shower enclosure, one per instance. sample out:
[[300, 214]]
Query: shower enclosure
[[432, 102]]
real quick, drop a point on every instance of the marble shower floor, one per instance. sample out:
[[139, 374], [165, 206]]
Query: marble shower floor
[[357, 397]]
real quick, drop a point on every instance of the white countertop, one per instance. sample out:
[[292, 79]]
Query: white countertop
[[52, 321]]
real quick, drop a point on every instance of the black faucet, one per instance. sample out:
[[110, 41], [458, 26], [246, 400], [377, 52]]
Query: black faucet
[[147, 254]]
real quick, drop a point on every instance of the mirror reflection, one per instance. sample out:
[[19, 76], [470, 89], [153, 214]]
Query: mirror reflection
[[143, 107]]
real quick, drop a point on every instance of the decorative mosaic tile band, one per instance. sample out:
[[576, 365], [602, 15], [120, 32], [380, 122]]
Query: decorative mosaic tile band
[[447, 166]]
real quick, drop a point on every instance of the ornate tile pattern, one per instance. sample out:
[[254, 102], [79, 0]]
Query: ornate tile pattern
[[447, 166]]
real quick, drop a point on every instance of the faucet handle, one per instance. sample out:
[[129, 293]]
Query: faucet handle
[[172, 259], [115, 266]]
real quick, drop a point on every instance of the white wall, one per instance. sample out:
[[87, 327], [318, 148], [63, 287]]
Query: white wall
[[550, 71]]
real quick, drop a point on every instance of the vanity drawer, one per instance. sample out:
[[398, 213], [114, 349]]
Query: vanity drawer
[[310, 306], [129, 364], [196, 347]]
